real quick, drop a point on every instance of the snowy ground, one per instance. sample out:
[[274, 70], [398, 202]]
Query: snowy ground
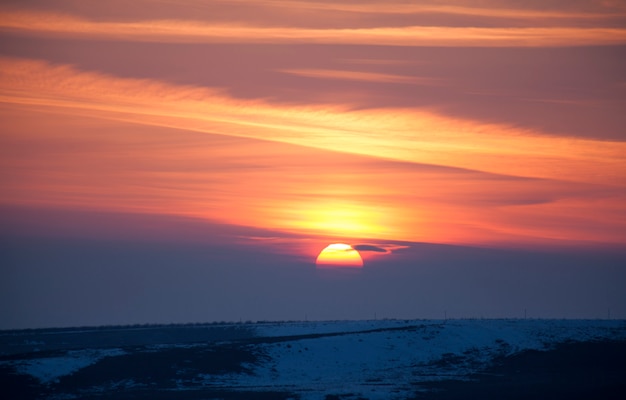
[[385, 359], [50, 369], [306, 360]]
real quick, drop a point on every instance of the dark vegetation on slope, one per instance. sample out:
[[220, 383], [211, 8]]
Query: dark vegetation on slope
[[587, 370]]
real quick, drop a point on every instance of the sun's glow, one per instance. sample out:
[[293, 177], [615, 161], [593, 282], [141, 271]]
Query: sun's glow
[[343, 220], [338, 255]]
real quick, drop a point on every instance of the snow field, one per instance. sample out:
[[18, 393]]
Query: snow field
[[385, 359]]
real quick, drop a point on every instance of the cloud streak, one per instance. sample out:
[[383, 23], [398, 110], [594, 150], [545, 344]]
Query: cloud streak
[[361, 76], [187, 31], [370, 248], [497, 9], [413, 135]]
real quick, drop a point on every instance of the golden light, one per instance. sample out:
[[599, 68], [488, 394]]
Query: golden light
[[339, 255], [347, 218]]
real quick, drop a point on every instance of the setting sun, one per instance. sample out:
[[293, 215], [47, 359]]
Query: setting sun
[[339, 255]]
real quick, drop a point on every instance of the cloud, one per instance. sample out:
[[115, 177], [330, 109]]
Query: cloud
[[363, 76], [494, 9], [413, 135], [188, 31], [345, 12], [370, 247]]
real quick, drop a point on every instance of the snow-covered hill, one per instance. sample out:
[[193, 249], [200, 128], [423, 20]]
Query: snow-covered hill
[[388, 359], [385, 359]]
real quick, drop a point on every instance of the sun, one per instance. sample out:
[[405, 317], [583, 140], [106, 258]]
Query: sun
[[339, 255]]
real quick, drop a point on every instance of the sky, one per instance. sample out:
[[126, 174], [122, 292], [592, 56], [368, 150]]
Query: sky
[[187, 161]]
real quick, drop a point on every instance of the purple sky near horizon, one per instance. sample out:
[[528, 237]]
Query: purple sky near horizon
[[184, 161]]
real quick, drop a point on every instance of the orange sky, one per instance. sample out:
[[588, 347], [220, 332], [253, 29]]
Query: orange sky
[[379, 141]]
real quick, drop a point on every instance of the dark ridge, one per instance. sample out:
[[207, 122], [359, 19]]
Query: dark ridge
[[17, 386], [570, 371], [37, 342]]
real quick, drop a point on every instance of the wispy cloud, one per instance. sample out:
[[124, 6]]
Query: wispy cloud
[[177, 31], [413, 135], [496, 9], [363, 76], [370, 248], [562, 10]]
